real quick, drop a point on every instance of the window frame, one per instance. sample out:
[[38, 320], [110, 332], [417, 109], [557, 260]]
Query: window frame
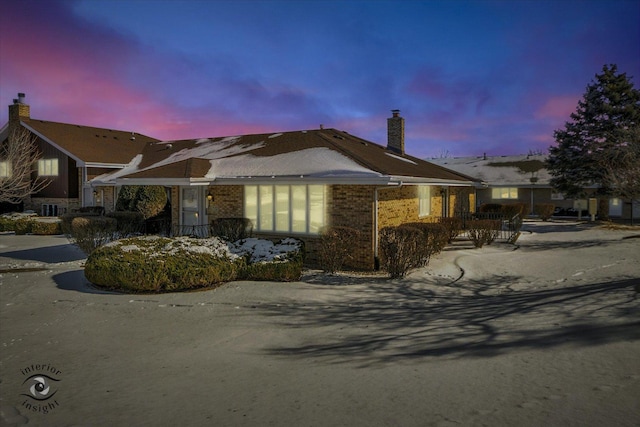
[[501, 191], [46, 167], [274, 210], [424, 201]]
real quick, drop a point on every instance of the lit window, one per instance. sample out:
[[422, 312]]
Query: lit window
[[5, 169], [504, 193], [557, 196], [424, 200], [48, 167], [285, 208]]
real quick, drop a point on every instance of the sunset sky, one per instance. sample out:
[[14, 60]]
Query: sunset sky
[[469, 77]]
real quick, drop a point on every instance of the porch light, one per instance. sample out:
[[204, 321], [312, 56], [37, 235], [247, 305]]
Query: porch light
[[210, 196]]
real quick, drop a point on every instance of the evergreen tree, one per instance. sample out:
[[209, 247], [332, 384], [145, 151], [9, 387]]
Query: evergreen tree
[[601, 129]]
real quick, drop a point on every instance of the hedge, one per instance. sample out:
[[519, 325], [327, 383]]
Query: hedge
[[160, 264], [336, 245]]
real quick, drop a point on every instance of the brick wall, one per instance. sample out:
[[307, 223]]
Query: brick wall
[[228, 202], [64, 205]]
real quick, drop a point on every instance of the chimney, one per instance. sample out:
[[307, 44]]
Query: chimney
[[395, 133], [18, 111]]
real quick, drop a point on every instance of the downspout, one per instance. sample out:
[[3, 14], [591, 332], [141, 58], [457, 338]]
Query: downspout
[[375, 217]]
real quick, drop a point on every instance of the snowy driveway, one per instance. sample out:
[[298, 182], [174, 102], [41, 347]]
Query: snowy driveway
[[546, 332]]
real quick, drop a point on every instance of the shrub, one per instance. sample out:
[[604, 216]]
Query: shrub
[[6, 224], [282, 271], [128, 223], [484, 231], [490, 208], [453, 227], [156, 264], [23, 226], [513, 209], [265, 260], [544, 210], [89, 232], [46, 228], [232, 229], [398, 249], [126, 198], [149, 200], [434, 238], [336, 244], [159, 264]]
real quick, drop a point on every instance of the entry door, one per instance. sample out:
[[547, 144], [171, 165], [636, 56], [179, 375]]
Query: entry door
[[191, 206]]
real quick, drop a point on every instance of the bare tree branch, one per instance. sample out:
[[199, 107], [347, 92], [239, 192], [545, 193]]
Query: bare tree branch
[[17, 158], [621, 166]]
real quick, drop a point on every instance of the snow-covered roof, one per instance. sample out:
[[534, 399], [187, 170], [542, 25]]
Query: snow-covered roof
[[501, 170], [313, 155]]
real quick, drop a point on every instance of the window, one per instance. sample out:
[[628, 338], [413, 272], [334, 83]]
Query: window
[[504, 193], [5, 169], [285, 208], [557, 196], [424, 200], [48, 167]]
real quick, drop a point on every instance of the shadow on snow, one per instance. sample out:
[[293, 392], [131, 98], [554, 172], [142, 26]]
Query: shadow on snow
[[479, 319]]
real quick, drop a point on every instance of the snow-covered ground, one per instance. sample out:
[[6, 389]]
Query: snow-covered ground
[[546, 332]]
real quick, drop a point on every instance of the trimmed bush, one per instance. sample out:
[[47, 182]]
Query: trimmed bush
[[156, 264], [126, 198], [336, 244], [20, 223], [149, 200], [6, 224], [513, 209], [232, 229], [160, 264], [544, 210], [89, 232], [434, 238], [265, 260], [128, 223], [23, 226], [453, 227], [483, 231], [490, 208], [398, 249], [47, 228]]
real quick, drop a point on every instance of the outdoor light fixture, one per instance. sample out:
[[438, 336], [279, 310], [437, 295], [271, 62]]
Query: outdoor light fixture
[[210, 197]]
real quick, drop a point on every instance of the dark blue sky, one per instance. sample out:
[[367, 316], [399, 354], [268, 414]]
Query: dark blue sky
[[468, 76]]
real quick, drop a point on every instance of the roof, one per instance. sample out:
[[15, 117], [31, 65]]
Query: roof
[[326, 155], [501, 170], [90, 145]]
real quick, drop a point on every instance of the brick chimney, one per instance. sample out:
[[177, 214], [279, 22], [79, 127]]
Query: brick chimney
[[18, 111], [395, 133]]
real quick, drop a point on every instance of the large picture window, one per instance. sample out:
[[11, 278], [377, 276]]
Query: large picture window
[[48, 167], [285, 208], [504, 193], [424, 200]]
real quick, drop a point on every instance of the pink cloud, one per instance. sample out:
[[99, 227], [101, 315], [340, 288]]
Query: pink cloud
[[557, 107]]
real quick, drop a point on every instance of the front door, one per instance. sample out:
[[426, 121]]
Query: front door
[[193, 220]]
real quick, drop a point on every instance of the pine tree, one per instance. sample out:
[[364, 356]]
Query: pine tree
[[601, 129]]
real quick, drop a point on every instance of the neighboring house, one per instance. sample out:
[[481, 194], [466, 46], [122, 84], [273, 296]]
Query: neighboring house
[[296, 183], [524, 178], [72, 155]]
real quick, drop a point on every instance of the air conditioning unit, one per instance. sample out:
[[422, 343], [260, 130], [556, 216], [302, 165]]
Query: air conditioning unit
[[49, 209]]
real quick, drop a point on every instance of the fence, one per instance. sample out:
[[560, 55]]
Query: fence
[[510, 226]]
